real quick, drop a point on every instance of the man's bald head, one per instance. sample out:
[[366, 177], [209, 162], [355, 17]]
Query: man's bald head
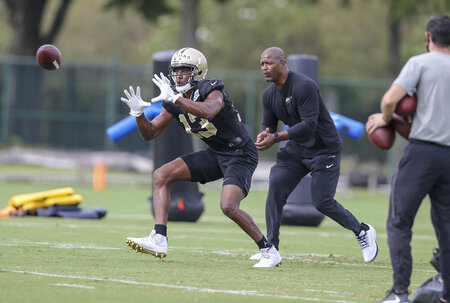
[[274, 53], [273, 66]]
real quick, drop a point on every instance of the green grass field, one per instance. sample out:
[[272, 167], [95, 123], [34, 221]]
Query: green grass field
[[68, 260]]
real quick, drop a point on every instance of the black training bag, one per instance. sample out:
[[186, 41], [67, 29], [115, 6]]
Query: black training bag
[[430, 290]]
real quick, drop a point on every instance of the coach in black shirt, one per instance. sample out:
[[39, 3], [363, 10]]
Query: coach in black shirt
[[314, 147]]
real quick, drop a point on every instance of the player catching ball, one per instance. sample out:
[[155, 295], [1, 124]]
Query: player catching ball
[[202, 107]]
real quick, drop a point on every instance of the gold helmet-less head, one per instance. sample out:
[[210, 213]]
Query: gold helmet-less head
[[193, 59]]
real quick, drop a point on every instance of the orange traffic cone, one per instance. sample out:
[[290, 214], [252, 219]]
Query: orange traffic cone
[[7, 211], [99, 176]]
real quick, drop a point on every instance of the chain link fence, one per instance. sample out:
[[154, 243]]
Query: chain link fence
[[71, 108]]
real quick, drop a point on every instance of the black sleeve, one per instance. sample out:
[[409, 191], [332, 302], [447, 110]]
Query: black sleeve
[[173, 108], [269, 119], [308, 109], [208, 85]]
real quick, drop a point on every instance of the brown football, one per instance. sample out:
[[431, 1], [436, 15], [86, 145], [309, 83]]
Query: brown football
[[383, 137], [406, 106], [401, 125], [48, 57]]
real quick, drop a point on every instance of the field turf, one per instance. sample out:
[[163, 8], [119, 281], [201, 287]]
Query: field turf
[[74, 260]]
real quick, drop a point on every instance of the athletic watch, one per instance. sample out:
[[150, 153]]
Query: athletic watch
[[391, 121], [276, 137]]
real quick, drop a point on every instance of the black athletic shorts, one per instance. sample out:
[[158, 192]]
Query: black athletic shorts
[[235, 167]]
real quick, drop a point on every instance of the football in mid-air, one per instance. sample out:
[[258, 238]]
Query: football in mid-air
[[402, 125], [406, 106], [383, 137], [48, 57]]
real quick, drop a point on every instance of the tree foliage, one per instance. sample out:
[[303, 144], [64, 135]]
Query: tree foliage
[[25, 19], [399, 13], [149, 9], [351, 37], [407, 9]]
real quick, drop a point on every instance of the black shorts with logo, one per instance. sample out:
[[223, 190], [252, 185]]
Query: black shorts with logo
[[235, 167]]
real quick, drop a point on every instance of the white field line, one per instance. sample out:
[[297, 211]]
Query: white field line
[[130, 216], [303, 257], [118, 227], [187, 288], [223, 219], [74, 285], [298, 257], [61, 224], [360, 265], [210, 238], [330, 292], [56, 245], [150, 217]]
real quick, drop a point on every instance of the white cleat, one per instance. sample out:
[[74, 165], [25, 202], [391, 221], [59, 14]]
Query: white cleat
[[154, 244], [270, 257], [367, 240], [255, 257]]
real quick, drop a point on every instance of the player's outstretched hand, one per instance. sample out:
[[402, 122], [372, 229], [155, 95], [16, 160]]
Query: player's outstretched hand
[[167, 94], [135, 102]]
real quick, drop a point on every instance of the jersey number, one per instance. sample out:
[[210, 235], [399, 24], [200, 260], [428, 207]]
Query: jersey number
[[208, 129]]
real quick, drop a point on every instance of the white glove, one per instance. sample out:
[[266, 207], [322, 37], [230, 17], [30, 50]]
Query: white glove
[[167, 94], [134, 101]]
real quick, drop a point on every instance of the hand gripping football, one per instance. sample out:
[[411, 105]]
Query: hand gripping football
[[48, 57], [383, 137]]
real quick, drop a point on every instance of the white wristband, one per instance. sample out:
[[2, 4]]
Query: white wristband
[[136, 113]]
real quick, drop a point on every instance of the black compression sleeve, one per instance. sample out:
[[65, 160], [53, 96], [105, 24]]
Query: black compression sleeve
[[269, 118], [302, 131]]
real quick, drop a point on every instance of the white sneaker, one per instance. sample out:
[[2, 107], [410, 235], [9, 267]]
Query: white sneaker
[[270, 257], [255, 257], [367, 240], [154, 244]]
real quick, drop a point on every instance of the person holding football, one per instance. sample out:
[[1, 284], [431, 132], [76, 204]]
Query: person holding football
[[314, 147], [425, 166], [202, 107]]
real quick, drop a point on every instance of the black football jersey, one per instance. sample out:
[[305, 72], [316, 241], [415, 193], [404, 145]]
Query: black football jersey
[[225, 132]]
